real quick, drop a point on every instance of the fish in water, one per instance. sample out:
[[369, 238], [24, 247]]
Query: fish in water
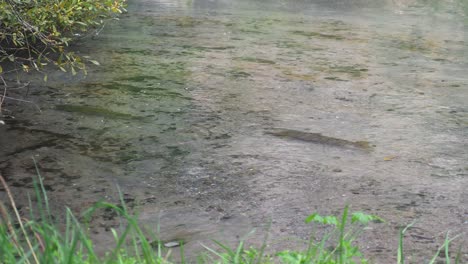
[[318, 138]]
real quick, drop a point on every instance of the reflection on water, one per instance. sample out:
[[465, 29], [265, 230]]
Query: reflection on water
[[179, 112]]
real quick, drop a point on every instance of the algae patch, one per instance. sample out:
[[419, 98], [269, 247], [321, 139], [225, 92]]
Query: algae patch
[[236, 73], [317, 35], [95, 111], [299, 76], [354, 71], [255, 60]]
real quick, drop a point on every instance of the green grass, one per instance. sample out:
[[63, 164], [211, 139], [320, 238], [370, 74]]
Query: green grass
[[39, 239]]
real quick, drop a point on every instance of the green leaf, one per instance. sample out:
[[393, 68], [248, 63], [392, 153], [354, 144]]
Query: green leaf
[[291, 257], [325, 220], [330, 220], [314, 218], [362, 218]]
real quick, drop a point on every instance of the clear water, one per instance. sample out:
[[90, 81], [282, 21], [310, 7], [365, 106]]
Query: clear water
[[177, 112]]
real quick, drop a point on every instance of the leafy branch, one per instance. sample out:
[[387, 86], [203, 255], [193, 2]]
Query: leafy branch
[[37, 33]]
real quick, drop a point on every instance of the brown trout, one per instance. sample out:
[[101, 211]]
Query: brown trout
[[318, 138]]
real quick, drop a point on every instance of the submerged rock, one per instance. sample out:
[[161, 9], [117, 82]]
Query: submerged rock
[[172, 244]]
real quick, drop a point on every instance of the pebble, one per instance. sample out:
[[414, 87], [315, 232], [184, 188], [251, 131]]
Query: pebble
[[172, 244]]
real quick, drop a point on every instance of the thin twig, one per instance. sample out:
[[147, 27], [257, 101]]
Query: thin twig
[[21, 100], [20, 87], [38, 237], [4, 92], [18, 217], [27, 25], [6, 219]]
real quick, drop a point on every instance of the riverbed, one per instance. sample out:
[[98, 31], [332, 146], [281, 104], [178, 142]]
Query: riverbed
[[180, 111]]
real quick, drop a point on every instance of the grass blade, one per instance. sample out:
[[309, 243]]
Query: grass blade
[[13, 205], [342, 248], [401, 257], [446, 244]]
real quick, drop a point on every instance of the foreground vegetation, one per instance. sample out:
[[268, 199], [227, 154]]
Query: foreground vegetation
[[39, 239]]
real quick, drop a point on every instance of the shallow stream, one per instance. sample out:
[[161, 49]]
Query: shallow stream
[[219, 117]]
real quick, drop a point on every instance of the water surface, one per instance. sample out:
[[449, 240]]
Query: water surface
[[179, 111]]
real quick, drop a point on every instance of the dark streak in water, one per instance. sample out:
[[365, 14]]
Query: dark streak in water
[[318, 138]]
